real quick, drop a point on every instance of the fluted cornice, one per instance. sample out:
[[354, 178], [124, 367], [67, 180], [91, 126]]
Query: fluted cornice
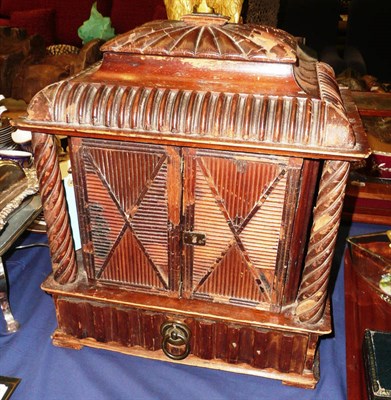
[[207, 81], [285, 120]]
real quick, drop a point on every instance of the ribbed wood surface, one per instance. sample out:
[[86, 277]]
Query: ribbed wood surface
[[231, 278], [329, 89], [236, 201], [128, 213], [207, 40], [129, 180], [54, 205], [230, 343], [238, 184], [128, 263], [311, 299], [238, 117], [238, 205], [106, 221], [150, 222], [262, 235]]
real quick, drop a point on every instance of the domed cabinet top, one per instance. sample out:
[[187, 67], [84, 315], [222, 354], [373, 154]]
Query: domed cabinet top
[[205, 80], [207, 36]]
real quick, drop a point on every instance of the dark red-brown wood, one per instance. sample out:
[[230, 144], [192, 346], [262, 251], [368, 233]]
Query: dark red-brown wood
[[209, 163], [260, 348]]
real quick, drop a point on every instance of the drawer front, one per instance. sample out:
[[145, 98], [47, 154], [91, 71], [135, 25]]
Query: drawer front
[[217, 341]]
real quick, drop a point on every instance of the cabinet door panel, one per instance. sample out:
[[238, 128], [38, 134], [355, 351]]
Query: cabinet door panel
[[131, 228], [237, 202]]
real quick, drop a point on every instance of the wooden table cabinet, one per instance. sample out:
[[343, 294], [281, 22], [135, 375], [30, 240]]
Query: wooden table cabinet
[[210, 161]]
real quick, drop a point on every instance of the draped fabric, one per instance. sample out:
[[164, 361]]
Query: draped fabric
[[53, 373]]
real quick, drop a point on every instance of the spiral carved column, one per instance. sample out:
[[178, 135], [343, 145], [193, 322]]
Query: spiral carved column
[[54, 208], [311, 299]]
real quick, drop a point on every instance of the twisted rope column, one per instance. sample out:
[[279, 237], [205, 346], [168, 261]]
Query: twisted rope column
[[311, 299], [54, 208]]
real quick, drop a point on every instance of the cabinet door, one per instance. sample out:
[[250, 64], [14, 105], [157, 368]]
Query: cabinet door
[[129, 205], [238, 215]]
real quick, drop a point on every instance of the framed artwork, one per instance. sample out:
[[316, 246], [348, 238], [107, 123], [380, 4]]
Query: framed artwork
[[7, 386]]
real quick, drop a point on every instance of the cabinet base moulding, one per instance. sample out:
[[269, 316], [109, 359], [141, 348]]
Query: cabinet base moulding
[[216, 341], [307, 381]]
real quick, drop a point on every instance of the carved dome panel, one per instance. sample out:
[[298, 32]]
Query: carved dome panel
[[207, 37]]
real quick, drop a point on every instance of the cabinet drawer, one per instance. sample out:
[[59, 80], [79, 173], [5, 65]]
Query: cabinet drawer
[[221, 342]]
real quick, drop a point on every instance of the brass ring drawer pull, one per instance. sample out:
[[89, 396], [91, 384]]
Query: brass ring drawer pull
[[176, 340]]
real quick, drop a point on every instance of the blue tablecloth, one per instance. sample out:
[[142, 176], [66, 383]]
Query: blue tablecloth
[[52, 373]]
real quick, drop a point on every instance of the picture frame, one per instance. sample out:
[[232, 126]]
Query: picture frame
[[7, 386]]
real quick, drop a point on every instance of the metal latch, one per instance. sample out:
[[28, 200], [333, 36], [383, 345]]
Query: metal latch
[[194, 238]]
